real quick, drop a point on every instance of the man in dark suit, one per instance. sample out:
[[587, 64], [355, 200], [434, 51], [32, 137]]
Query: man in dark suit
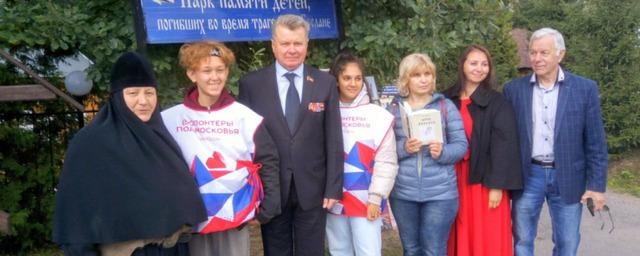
[[562, 146], [300, 107]]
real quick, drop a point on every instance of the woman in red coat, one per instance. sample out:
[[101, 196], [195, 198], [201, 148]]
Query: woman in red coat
[[491, 166]]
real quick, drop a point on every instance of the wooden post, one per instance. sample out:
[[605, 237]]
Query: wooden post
[[25, 92]]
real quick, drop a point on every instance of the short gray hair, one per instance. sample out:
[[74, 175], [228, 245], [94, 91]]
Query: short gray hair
[[292, 22], [557, 38]]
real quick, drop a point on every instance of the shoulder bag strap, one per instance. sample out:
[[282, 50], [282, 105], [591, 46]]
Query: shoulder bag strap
[[444, 113]]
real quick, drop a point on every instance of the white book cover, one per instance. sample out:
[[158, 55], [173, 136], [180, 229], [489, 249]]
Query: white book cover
[[424, 124]]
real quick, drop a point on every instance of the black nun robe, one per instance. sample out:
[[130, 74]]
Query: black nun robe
[[124, 179]]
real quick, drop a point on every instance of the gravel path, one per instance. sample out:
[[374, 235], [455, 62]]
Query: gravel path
[[624, 240]]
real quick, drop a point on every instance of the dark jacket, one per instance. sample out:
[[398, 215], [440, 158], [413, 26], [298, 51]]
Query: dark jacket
[[495, 153], [312, 157], [580, 143]]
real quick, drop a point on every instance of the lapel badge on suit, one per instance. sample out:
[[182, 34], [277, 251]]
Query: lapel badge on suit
[[316, 106], [309, 78]]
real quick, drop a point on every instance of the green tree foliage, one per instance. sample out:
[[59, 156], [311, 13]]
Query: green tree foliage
[[603, 44], [31, 147], [33, 135], [99, 29], [31, 150], [383, 32]]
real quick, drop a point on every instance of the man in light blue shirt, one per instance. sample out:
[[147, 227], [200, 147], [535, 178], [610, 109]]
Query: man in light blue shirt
[[299, 104], [562, 145], [283, 82], [544, 105]]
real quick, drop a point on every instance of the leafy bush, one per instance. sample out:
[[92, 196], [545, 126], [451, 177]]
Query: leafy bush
[[603, 44], [31, 151], [383, 32]]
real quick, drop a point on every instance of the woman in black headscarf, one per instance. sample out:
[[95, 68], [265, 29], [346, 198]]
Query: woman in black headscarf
[[124, 184]]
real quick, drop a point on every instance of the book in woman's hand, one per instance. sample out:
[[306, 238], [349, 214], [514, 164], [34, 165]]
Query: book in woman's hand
[[425, 125]]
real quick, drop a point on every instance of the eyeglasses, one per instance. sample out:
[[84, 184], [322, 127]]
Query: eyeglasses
[[605, 208]]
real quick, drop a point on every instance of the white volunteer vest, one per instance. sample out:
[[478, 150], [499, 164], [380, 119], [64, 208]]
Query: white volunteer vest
[[363, 129], [218, 143]]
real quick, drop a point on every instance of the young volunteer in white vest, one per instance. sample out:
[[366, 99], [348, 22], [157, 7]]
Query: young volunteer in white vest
[[229, 152], [370, 165]]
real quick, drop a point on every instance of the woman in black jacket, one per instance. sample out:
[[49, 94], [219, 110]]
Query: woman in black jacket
[[491, 167]]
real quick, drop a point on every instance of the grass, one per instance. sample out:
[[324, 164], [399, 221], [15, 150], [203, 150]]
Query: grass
[[50, 250], [390, 243], [624, 173]]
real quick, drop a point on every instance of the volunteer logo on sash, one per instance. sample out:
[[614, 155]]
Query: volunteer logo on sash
[[230, 196], [219, 149], [363, 128], [358, 168]]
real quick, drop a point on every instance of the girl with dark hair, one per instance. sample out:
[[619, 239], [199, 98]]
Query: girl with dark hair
[[491, 165], [370, 166]]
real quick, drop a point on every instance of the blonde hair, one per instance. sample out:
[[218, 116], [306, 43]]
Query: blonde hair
[[291, 22], [191, 54], [410, 65]]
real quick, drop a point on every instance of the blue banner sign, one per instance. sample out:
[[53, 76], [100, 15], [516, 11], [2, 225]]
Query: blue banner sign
[[177, 21]]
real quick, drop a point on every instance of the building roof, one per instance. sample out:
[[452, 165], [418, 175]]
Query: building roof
[[520, 36]]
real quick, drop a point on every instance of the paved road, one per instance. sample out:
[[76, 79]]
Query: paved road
[[625, 239]]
